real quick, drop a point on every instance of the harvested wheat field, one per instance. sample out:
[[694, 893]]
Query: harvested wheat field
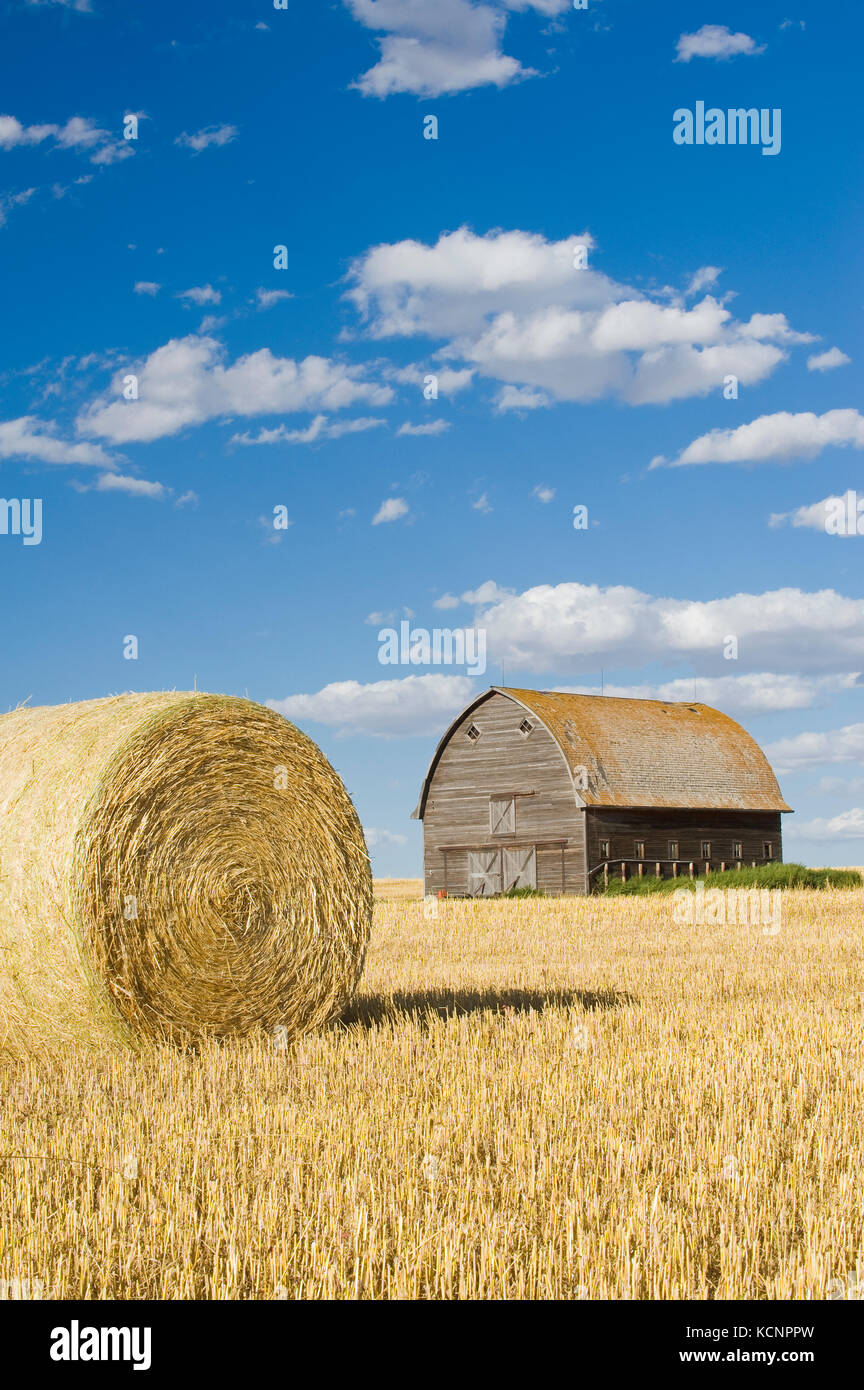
[[526, 1099]]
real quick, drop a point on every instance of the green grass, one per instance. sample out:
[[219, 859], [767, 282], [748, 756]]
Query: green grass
[[764, 876]]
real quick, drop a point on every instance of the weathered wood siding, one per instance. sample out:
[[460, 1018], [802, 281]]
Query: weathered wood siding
[[502, 762], [689, 828]]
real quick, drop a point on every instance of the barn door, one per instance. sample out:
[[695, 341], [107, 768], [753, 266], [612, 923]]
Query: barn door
[[484, 872], [520, 868]]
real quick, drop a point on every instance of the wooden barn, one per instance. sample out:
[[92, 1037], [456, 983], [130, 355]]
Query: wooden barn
[[541, 789]]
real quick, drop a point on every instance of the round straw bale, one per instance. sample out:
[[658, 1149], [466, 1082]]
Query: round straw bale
[[173, 866]]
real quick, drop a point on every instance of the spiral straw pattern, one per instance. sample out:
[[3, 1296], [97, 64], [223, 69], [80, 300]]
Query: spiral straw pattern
[[173, 866]]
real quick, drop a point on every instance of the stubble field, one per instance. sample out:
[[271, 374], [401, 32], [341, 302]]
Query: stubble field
[[528, 1099]]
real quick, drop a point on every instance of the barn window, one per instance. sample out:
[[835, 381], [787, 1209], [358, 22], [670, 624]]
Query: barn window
[[768, 850], [502, 815], [525, 727], [738, 849], [473, 733], [605, 849], [639, 849], [706, 849], [672, 849]]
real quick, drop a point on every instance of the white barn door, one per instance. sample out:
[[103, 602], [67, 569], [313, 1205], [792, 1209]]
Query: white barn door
[[484, 872], [520, 868]]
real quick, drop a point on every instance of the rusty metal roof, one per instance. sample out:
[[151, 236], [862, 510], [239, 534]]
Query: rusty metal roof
[[655, 752]]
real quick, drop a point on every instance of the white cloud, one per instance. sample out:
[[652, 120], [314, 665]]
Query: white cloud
[[201, 295], [147, 287], [849, 825], [392, 509], [13, 133], [516, 309], [79, 133], [432, 427], [573, 626], [839, 786], [267, 298], [814, 516], [449, 46], [482, 504], [715, 41], [82, 6], [448, 381], [13, 200], [447, 601], [774, 437], [320, 428], [187, 382], [827, 361], [135, 487], [211, 135], [807, 750], [544, 494], [703, 279], [762, 692], [29, 438], [376, 839], [411, 706], [520, 398]]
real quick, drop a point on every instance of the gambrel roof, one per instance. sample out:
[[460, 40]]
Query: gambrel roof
[[646, 753]]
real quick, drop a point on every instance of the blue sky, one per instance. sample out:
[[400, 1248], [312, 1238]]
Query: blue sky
[[559, 384]]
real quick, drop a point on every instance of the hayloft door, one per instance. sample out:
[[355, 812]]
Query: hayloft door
[[520, 868], [484, 872]]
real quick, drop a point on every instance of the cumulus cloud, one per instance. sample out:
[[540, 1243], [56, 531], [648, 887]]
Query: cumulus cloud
[[808, 750], [447, 380], [449, 46], [527, 312], [79, 133], [573, 626], [816, 516], [762, 692], [392, 509], [36, 440], [408, 707], [543, 493], [211, 135], [520, 398], [320, 428], [849, 825], [715, 41], [147, 287], [827, 361], [778, 437], [187, 382]]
